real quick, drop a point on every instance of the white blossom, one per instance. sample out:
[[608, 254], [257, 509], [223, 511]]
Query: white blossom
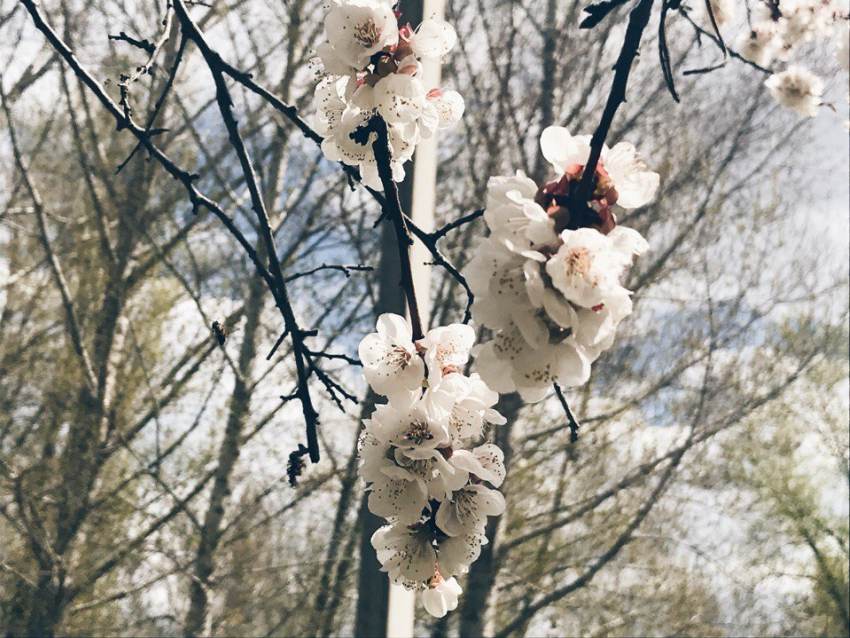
[[634, 184], [414, 429], [441, 597], [442, 109], [399, 98], [467, 403], [759, 46], [433, 39], [796, 89], [554, 300], [468, 509], [406, 552], [391, 363], [509, 363], [456, 553], [587, 267], [358, 30], [498, 276], [402, 498], [802, 21], [447, 349], [340, 146], [369, 68], [414, 456], [512, 214], [486, 462]]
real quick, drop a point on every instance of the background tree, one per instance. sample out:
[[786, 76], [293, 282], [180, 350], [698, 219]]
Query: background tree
[[144, 482]]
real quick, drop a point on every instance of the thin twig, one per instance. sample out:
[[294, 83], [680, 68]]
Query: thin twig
[[344, 269], [571, 420], [442, 232]]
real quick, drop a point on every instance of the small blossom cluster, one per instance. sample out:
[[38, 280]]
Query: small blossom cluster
[[776, 31], [370, 67], [422, 456], [547, 279]]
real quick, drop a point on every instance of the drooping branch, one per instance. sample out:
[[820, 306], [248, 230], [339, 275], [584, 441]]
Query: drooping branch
[[270, 271], [225, 106], [273, 278]]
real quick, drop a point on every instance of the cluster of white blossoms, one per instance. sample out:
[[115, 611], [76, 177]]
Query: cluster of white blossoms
[[775, 32], [371, 67], [423, 458], [547, 279]]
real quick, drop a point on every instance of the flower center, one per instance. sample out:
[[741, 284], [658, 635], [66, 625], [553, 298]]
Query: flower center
[[578, 262], [418, 432], [554, 198], [367, 34], [399, 357], [420, 467]]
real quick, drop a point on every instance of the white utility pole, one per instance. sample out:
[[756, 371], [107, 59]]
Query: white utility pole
[[420, 207]]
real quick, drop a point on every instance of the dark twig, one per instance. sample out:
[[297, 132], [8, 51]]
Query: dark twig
[[273, 278], [145, 45], [178, 58], [732, 54], [331, 355], [277, 344], [344, 269], [440, 259], [197, 199], [596, 13], [716, 27], [638, 19], [331, 386], [442, 232], [392, 210], [663, 49], [571, 420], [704, 70]]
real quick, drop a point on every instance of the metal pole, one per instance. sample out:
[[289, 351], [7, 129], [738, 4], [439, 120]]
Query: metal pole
[[418, 197]]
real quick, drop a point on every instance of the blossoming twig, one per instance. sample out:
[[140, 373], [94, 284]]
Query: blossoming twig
[[638, 19]]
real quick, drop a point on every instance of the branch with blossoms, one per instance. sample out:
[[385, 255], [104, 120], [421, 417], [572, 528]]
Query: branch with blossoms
[[545, 282], [774, 32]]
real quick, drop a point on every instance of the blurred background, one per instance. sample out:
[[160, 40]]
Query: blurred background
[[143, 483]]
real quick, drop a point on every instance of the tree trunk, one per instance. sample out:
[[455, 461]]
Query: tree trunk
[[373, 586], [228, 455]]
